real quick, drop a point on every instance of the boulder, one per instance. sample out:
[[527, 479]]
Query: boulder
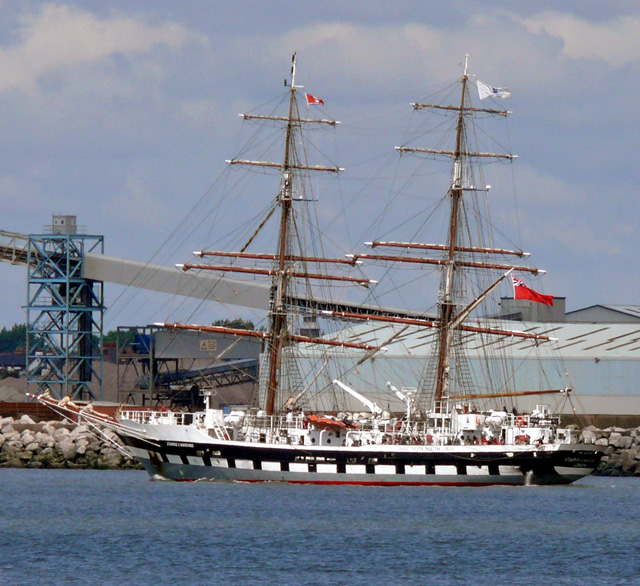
[[7, 429], [614, 439], [47, 455], [26, 419], [49, 428], [44, 439], [625, 442], [11, 448], [81, 446], [614, 429], [80, 431], [67, 448], [60, 433], [27, 437], [627, 458], [95, 445], [112, 459], [588, 436], [33, 447], [12, 436], [14, 462]]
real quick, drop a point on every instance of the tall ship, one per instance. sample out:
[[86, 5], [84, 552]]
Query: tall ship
[[311, 423]]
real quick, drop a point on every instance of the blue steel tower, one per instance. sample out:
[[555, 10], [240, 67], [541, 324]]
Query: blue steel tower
[[64, 313]]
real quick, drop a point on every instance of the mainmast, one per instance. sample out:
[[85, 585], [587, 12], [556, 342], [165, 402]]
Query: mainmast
[[455, 252], [447, 306]]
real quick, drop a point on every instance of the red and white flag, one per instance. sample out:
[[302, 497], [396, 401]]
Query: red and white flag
[[313, 101], [521, 291]]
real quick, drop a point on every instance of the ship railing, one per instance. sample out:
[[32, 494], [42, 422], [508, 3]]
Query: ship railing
[[163, 417], [278, 429], [516, 420], [399, 433], [271, 428], [272, 424], [531, 420]]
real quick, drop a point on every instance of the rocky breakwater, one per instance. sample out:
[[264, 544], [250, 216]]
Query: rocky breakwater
[[52, 444], [622, 454]]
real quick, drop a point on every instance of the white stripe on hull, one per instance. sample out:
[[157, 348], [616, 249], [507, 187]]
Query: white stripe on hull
[[563, 470], [509, 470], [177, 472], [271, 466], [298, 473], [477, 471], [446, 470]]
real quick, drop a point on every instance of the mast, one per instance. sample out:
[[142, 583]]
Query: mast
[[446, 305], [279, 290], [283, 261], [455, 253]]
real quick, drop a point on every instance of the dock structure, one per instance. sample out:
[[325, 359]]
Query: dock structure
[[64, 313], [158, 366]]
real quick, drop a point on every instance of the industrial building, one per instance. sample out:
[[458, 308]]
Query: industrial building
[[600, 362]]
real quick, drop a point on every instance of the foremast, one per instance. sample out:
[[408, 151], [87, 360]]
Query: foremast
[[284, 260], [280, 284], [285, 264]]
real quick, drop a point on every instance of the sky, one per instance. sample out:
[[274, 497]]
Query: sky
[[124, 112]]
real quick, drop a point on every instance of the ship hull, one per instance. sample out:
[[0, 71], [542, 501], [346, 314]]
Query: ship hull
[[370, 465]]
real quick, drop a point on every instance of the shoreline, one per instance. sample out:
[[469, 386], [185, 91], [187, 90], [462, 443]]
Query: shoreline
[[55, 444]]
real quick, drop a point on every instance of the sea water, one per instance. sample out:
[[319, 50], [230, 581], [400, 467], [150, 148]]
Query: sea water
[[73, 527]]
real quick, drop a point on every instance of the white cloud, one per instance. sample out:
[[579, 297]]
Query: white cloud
[[616, 41], [60, 38], [400, 56], [356, 52]]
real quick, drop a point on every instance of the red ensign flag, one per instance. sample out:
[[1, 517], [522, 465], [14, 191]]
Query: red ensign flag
[[521, 291], [313, 101]]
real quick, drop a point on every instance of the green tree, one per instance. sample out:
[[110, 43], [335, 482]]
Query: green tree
[[238, 323], [14, 338]]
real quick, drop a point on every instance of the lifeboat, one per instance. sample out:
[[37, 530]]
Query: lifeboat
[[325, 422]]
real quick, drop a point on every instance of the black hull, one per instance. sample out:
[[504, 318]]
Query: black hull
[[371, 465]]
